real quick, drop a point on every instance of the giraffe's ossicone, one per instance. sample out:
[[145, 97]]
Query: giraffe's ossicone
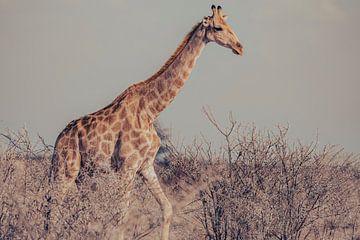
[[122, 135]]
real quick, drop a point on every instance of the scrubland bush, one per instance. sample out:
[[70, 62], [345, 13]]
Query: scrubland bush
[[88, 212], [260, 186], [257, 185]]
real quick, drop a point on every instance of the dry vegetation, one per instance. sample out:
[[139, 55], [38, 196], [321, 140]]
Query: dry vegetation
[[256, 186]]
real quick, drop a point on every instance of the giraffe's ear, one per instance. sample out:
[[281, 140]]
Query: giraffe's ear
[[205, 21], [225, 17]]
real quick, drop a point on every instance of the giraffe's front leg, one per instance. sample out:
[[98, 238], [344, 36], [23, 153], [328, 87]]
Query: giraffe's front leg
[[152, 182]]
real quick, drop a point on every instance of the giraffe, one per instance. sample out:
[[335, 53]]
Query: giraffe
[[122, 134]]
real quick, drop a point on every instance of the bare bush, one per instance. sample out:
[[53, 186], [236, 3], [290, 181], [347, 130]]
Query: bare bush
[[91, 211], [256, 186], [270, 189]]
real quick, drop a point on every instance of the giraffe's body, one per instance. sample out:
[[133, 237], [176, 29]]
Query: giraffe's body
[[125, 127], [122, 134]]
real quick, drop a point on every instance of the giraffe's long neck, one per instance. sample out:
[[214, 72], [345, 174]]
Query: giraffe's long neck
[[164, 86]]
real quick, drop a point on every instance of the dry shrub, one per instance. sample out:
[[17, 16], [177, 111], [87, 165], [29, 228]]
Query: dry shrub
[[92, 209], [259, 186], [256, 186]]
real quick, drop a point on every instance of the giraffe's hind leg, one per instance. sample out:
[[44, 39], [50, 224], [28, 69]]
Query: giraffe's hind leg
[[67, 167], [128, 174]]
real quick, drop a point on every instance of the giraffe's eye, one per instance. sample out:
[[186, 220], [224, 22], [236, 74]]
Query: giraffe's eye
[[218, 29]]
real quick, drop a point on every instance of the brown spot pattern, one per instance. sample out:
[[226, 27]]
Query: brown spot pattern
[[91, 135], [143, 151], [87, 127], [172, 93], [81, 133], [116, 127], [102, 128], [159, 107], [72, 143], [108, 137], [141, 103], [143, 91], [135, 134], [110, 119], [122, 114], [132, 107], [126, 149], [136, 142], [160, 86], [152, 96], [142, 140], [179, 83], [126, 138], [153, 110], [105, 148], [126, 125]]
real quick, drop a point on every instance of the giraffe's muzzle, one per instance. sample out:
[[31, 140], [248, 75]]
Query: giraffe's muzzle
[[238, 49]]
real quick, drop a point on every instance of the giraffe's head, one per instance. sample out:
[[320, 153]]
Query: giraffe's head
[[217, 30]]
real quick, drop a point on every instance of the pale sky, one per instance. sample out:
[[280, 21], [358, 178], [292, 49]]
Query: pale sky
[[60, 60]]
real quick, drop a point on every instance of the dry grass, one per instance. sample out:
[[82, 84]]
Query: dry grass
[[256, 186]]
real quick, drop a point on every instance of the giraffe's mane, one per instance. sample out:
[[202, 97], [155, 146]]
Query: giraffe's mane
[[172, 58], [178, 50]]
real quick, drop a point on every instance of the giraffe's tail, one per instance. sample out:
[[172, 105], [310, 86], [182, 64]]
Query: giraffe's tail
[[54, 165], [48, 198]]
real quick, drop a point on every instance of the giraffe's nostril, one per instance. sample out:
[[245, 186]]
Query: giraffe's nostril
[[239, 45]]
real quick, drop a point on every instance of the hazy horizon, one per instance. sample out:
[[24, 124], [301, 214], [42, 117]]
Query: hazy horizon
[[60, 60]]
